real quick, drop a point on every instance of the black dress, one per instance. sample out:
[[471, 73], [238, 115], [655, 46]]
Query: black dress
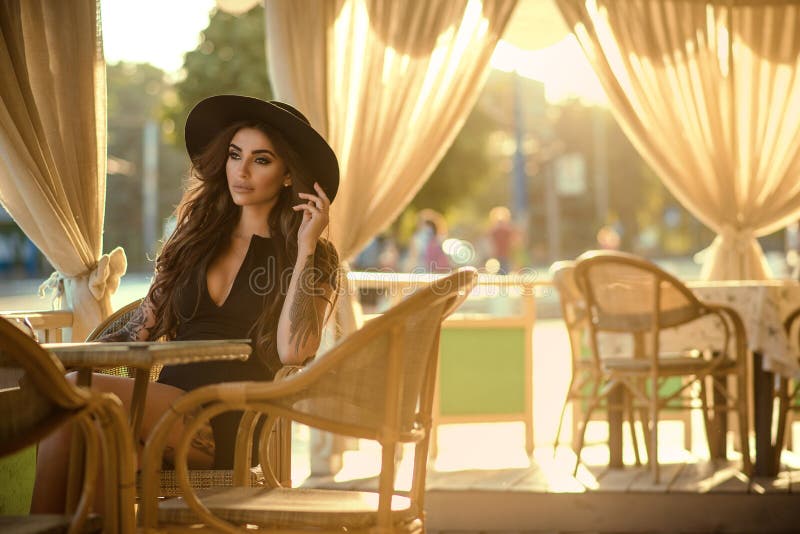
[[201, 318]]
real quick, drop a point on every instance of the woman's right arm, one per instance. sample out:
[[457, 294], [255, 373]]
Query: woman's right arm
[[138, 326]]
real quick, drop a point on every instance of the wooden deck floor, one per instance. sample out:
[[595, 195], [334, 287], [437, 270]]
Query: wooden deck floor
[[695, 495]]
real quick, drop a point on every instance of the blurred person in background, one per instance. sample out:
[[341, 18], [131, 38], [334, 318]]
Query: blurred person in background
[[503, 237], [425, 251], [608, 238]]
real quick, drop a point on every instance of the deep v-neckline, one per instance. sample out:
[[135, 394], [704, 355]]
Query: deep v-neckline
[[235, 278]]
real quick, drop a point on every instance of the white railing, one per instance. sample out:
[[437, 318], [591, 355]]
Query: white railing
[[48, 324]]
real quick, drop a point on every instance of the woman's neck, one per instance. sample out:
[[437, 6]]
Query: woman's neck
[[253, 220]]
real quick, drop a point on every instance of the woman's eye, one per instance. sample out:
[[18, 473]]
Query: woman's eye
[[234, 155], [262, 161]]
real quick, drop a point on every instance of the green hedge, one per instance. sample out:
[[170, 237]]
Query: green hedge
[[482, 371]]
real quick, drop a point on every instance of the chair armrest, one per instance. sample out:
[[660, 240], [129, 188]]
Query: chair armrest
[[731, 317], [287, 371]]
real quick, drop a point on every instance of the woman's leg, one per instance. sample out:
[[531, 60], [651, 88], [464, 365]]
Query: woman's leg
[[53, 455]]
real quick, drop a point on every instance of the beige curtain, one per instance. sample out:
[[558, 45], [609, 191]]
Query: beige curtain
[[708, 93], [53, 145], [389, 84]]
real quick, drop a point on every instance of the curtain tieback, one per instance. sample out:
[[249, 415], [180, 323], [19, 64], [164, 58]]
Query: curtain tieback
[[103, 277], [738, 239]]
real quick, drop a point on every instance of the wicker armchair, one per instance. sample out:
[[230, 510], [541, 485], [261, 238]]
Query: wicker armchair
[[628, 294], [376, 384], [586, 371], [586, 376], [35, 399], [200, 478]]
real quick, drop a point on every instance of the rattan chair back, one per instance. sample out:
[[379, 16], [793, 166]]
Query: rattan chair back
[[111, 324], [115, 321], [573, 305], [627, 293], [391, 359]]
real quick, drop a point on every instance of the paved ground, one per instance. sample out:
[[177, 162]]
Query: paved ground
[[22, 294]]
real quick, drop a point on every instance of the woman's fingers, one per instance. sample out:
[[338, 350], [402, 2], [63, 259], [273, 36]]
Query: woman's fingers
[[315, 210], [320, 201], [308, 208], [321, 193], [314, 200]]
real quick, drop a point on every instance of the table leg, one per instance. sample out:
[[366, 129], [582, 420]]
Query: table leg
[[718, 431], [140, 381], [615, 417], [766, 464]]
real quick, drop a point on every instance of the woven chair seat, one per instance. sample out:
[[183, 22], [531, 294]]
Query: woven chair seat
[[290, 508], [202, 479], [680, 365]]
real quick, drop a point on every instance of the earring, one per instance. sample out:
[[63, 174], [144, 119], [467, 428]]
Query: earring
[[287, 183]]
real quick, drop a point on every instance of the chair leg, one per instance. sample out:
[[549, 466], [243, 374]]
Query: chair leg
[[742, 411], [705, 408], [645, 422], [783, 409], [687, 428], [632, 423], [653, 455], [557, 439], [717, 416], [582, 432]]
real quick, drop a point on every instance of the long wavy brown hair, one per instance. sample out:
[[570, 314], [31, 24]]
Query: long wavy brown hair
[[206, 217]]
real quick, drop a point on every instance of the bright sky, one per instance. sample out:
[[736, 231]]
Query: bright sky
[[160, 32], [562, 67]]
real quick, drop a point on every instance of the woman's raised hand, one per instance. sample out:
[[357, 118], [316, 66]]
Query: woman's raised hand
[[315, 218]]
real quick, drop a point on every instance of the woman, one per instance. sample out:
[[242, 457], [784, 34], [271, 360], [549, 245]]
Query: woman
[[246, 260]]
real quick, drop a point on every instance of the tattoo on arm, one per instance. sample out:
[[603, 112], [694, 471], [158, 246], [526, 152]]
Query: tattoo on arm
[[202, 443], [132, 329], [303, 320], [203, 440]]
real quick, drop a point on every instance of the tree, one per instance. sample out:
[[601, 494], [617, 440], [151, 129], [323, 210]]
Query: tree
[[231, 58], [135, 95], [462, 169]]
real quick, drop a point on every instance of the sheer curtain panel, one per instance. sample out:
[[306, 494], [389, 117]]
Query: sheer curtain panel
[[389, 85], [708, 94], [53, 146]]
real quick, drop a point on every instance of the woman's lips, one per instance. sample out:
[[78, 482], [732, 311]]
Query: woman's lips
[[241, 189]]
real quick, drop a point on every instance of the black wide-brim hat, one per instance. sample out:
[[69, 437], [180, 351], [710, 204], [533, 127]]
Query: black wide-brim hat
[[212, 115]]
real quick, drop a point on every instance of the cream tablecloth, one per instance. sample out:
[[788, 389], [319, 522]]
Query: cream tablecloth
[[763, 306]]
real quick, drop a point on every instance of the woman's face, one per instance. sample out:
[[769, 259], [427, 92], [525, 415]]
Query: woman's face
[[255, 172]]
